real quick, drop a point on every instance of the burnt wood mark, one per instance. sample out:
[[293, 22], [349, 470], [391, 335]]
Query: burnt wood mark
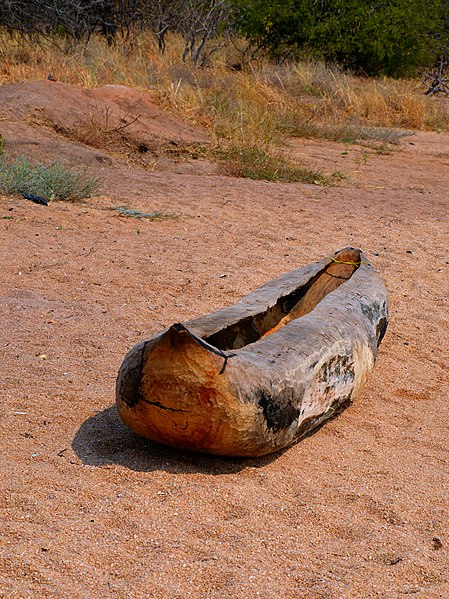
[[277, 416]]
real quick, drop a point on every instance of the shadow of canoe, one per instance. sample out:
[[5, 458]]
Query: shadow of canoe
[[103, 440]]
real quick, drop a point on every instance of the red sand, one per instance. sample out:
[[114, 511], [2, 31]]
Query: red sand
[[359, 509]]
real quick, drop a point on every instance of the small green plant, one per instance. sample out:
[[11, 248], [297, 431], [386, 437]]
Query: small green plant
[[340, 175], [54, 182], [2, 145], [132, 213], [253, 162], [364, 159]]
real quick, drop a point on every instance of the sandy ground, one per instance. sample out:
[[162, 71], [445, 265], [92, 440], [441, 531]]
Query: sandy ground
[[88, 509]]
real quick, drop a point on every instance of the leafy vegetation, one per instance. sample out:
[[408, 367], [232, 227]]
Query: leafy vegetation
[[54, 182], [383, 37]]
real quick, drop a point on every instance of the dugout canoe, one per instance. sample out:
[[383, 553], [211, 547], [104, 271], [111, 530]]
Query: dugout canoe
[[254, 377]]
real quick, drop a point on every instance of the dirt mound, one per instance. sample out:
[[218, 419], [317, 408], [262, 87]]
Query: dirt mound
[[110, 107], [116, 120]]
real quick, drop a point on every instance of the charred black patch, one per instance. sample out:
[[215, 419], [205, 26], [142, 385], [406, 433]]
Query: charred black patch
[[277, 416], [370, 311], [374, 312], [377, 314], [338, 368], [381, 329], [129, 392]]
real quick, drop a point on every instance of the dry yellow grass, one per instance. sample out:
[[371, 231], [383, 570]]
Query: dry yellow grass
[[258, 105]]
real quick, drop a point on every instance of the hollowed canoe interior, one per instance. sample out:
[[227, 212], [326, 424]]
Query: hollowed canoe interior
[[289, 307]]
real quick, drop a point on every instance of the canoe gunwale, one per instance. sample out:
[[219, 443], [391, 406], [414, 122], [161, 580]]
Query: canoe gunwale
[[282, 292]]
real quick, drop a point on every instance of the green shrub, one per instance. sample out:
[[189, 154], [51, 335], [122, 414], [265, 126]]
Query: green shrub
[[383, 37], [54, 182]]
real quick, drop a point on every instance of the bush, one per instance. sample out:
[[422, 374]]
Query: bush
[[383, 37], [54, 182]]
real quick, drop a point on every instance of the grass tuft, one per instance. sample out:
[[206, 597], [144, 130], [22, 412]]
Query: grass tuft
[[347, 133], [253, 162], [54, 182]]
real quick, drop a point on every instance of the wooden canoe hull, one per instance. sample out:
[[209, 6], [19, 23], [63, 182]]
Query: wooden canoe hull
[[255, 377]]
